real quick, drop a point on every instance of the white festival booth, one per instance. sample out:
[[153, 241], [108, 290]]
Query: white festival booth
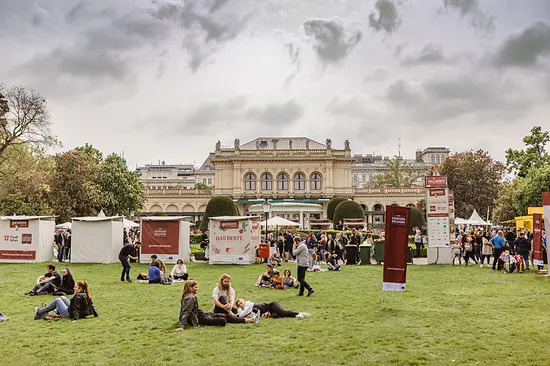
[[26, 239], [233, 239], [166, 236], [96, 239]]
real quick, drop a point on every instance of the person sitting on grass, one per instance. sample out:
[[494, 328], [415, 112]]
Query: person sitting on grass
[[277, 281], [190, 314], [179, 272], [288, 280], [331, 263], [316, 265], [67, 284], [268, 309], [265, 279], [223, 297], [46, 282], [162, 265], [276, 259], [154, 274], [79, 307]]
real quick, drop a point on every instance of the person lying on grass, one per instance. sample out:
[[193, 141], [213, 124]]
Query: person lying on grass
[[190, 314], [265, 279], [79, 307], [268, 309], [44, 283]]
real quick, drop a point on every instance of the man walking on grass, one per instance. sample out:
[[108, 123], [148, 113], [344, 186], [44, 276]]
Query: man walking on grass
[[124, 256], [302, 261]]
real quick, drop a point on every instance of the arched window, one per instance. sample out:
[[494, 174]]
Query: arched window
[[432, 159], [266, 182], [299, 182], [249, 182], [282, 182], [316, 182]]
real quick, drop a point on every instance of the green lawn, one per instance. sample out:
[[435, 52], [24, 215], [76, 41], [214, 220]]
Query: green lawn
[[449, 315]]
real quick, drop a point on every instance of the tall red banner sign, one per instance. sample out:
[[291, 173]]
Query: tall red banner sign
[[538, 258], [546, 208], [160, 237], [396, 248]]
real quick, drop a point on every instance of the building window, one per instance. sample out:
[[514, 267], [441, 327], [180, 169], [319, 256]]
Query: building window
[[209, 181], [316, 182], [249, 182], [282, 182], [203, 180], [266, 182], [299, 182]]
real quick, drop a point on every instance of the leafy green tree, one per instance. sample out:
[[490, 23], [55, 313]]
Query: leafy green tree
[[528, 192], [24, 120], [23, 178], [74, 187], [475, 178], [416, 218], [202, 186], [91, 152], [534, 154], [397, 174], [122, 191], [331, 206], [348, 210], [218, 206], [506, 207]]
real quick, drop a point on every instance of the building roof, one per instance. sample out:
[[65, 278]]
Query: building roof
[[283, 143]]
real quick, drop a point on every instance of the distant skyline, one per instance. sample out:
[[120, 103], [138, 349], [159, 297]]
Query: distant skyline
[[166, 79]]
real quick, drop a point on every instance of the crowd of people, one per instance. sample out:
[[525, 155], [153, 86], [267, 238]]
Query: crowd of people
[[511, 250]]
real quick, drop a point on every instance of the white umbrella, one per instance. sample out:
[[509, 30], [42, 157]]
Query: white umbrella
[[279, 221], [65, 225]]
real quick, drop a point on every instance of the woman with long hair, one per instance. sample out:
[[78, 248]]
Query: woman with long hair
[[288, 280], [67, 283], [190, 314], [80, 306]]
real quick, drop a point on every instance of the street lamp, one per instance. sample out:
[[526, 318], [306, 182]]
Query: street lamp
[[267, 208]]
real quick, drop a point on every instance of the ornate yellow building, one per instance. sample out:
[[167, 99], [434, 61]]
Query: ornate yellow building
[[282, 169]]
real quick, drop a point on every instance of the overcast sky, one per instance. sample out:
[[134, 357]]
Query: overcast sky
[[166, 79]]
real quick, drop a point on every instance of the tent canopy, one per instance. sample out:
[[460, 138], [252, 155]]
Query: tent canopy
[[65, 225], [16, 218], [475, 219], [167, 218], [129, 224], [279, 221], [98, 218], [233, 218], [459, 221]]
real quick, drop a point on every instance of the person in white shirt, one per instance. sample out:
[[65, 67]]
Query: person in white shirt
[[179, 272], [269, 309], [223, 297]]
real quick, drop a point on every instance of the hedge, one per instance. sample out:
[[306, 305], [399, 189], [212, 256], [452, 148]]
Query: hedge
[[195, 238], [416, 218], [348, 210], [218, 206], [331, 206]]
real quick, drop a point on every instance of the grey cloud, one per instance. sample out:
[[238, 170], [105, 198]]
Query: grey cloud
[[526, 48], [402, 92], [379, 74], [277, 114], [471, 10], [385, 16], [429, 54], [350, 106], [331, 40]]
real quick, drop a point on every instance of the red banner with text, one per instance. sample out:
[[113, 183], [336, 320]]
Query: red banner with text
[[160, 237], [538, 258], [396, 248]]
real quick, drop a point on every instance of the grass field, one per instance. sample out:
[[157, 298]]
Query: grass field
[[449, 315]]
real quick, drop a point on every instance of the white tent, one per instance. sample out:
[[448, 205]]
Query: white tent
[[475, 219], [128, 224], [279, 221], [233, 239], [26, 239], [459, 221], [96, 239], [65, 225], [166, 236]]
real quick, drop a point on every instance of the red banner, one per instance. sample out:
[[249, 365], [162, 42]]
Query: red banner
[[22, 255], [436, 181], [160, 237], [538, 258], [396, 248], [14, 224]]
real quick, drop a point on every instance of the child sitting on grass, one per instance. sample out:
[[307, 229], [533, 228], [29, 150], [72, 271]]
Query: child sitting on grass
[[277, 281]]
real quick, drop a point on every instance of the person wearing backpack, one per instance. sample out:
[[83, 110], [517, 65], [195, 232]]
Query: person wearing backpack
[[468, 246]]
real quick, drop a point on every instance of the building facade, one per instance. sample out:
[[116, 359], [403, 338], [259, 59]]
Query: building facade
[[281, 169]]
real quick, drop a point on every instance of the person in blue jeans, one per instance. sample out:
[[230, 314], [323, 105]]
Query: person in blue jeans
[[79, 307], [498, 244]]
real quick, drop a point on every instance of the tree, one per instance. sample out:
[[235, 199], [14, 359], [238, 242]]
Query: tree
[[528, 191], [217, 206], [74, 185], [397, 174], [505, 205], [421, 205], [534, 154], [348, 210], [331, 206], [475, 178], [122, 192], [416, 218], [202, 186], [23, 188], [24, 119]]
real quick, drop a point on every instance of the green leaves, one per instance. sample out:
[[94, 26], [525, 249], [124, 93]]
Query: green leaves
[[534, 155], [397, 174]]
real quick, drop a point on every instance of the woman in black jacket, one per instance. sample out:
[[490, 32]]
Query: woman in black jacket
[[80, 306], [67, 284]]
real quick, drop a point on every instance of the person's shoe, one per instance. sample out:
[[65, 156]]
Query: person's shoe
[[258, 316], [310, 293], [305, 315], [299, 316], [300, 295], [34, 294], [123, 281], [129, 281], [28, 293], [481, 266]]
